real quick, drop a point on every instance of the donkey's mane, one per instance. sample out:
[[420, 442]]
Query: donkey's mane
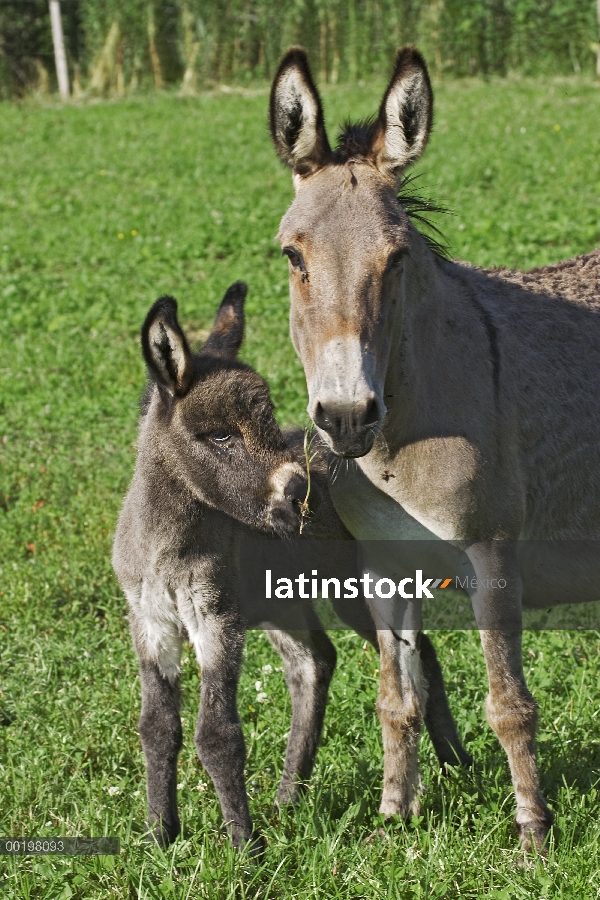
[[354, 140], [419, 210], [354, 143]]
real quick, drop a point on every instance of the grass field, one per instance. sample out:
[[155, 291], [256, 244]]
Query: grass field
[[104, 208]]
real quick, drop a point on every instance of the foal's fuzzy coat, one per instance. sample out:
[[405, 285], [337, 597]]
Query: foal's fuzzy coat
[[213, 468]]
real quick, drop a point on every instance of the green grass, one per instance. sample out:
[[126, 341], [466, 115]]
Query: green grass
[[198, 182]]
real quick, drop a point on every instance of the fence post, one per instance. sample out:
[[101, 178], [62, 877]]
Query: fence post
[[59, 49], [598, 50]]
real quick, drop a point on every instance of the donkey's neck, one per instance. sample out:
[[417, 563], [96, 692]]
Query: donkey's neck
[[168, 500], [423, 327]]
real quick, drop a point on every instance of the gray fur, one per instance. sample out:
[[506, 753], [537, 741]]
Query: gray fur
[[468, 406], [176, 554]]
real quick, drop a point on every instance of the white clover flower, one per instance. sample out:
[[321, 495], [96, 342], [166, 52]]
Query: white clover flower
[[258, 685], [113, 790], [268, 669], [262, 697]]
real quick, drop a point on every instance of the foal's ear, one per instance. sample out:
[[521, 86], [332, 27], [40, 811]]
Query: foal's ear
[[165, 348], [404, 122], [296, 116], [227, 333]]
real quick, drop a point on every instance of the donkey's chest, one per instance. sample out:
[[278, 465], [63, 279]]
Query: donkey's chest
[[370, 513], [422, 494], [397, 540]]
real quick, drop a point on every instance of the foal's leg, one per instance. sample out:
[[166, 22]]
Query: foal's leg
[[157, 641], [219, 739], [309, 658], [511, 709], [160, 733]]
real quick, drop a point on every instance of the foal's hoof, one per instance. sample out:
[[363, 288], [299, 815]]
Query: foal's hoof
[[288, 793], [253, 846], [161, 833], [460, 758]]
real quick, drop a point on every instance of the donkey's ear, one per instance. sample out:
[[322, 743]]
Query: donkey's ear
[[296, 116], [165, 348], [227, 333], [405, 116]]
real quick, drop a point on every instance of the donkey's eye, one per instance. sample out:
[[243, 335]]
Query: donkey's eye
[[220, 437], [396, 259], [294, 257]]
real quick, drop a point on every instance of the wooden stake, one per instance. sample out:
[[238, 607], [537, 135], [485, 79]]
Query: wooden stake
[[598, 51], [59, 49]]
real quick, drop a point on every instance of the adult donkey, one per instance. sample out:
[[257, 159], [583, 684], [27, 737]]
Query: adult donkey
[[466, 403]]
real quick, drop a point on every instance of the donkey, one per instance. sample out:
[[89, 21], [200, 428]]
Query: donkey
[[213, 469], [464, 403]]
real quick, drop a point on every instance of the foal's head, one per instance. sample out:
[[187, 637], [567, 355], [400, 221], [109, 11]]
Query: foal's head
[[349, 241], [210, 419]]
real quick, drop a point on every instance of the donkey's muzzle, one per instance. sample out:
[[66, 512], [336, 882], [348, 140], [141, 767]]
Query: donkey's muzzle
[[286, 504], [349, 427], [296, 489]]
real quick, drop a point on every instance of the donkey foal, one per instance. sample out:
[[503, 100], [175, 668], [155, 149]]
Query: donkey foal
[[212, 469]]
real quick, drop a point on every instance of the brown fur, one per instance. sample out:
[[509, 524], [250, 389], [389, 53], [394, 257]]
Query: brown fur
[[466, 404]]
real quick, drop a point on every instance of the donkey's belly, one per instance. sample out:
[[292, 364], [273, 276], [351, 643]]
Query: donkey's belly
[[555, 572]]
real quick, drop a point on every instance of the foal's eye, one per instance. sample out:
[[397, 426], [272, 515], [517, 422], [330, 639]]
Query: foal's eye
[[294, 257], [220, 437]]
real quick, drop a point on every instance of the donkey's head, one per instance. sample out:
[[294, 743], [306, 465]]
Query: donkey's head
[[348, 240], [210, 420]]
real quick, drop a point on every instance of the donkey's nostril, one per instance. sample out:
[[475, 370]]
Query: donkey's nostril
[[372, 414], [350, 423], [296, 489], [321, 419]]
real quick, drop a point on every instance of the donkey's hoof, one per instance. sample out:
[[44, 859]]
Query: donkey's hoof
[[375, 835], [161, 833], [534, 837], [288, 793], [400, 807]]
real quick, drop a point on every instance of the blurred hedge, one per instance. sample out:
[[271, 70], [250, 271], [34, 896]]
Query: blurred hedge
[[119, 46]]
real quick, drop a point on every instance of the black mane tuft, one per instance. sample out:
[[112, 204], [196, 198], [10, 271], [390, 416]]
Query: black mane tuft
[[354, 141], [419, 210]]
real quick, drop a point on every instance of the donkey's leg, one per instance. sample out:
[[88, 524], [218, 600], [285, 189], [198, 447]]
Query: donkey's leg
[[160, 733], [439, 720], [219, 738], [309, 658], [400, 705], [402, 699], [511, 709]]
